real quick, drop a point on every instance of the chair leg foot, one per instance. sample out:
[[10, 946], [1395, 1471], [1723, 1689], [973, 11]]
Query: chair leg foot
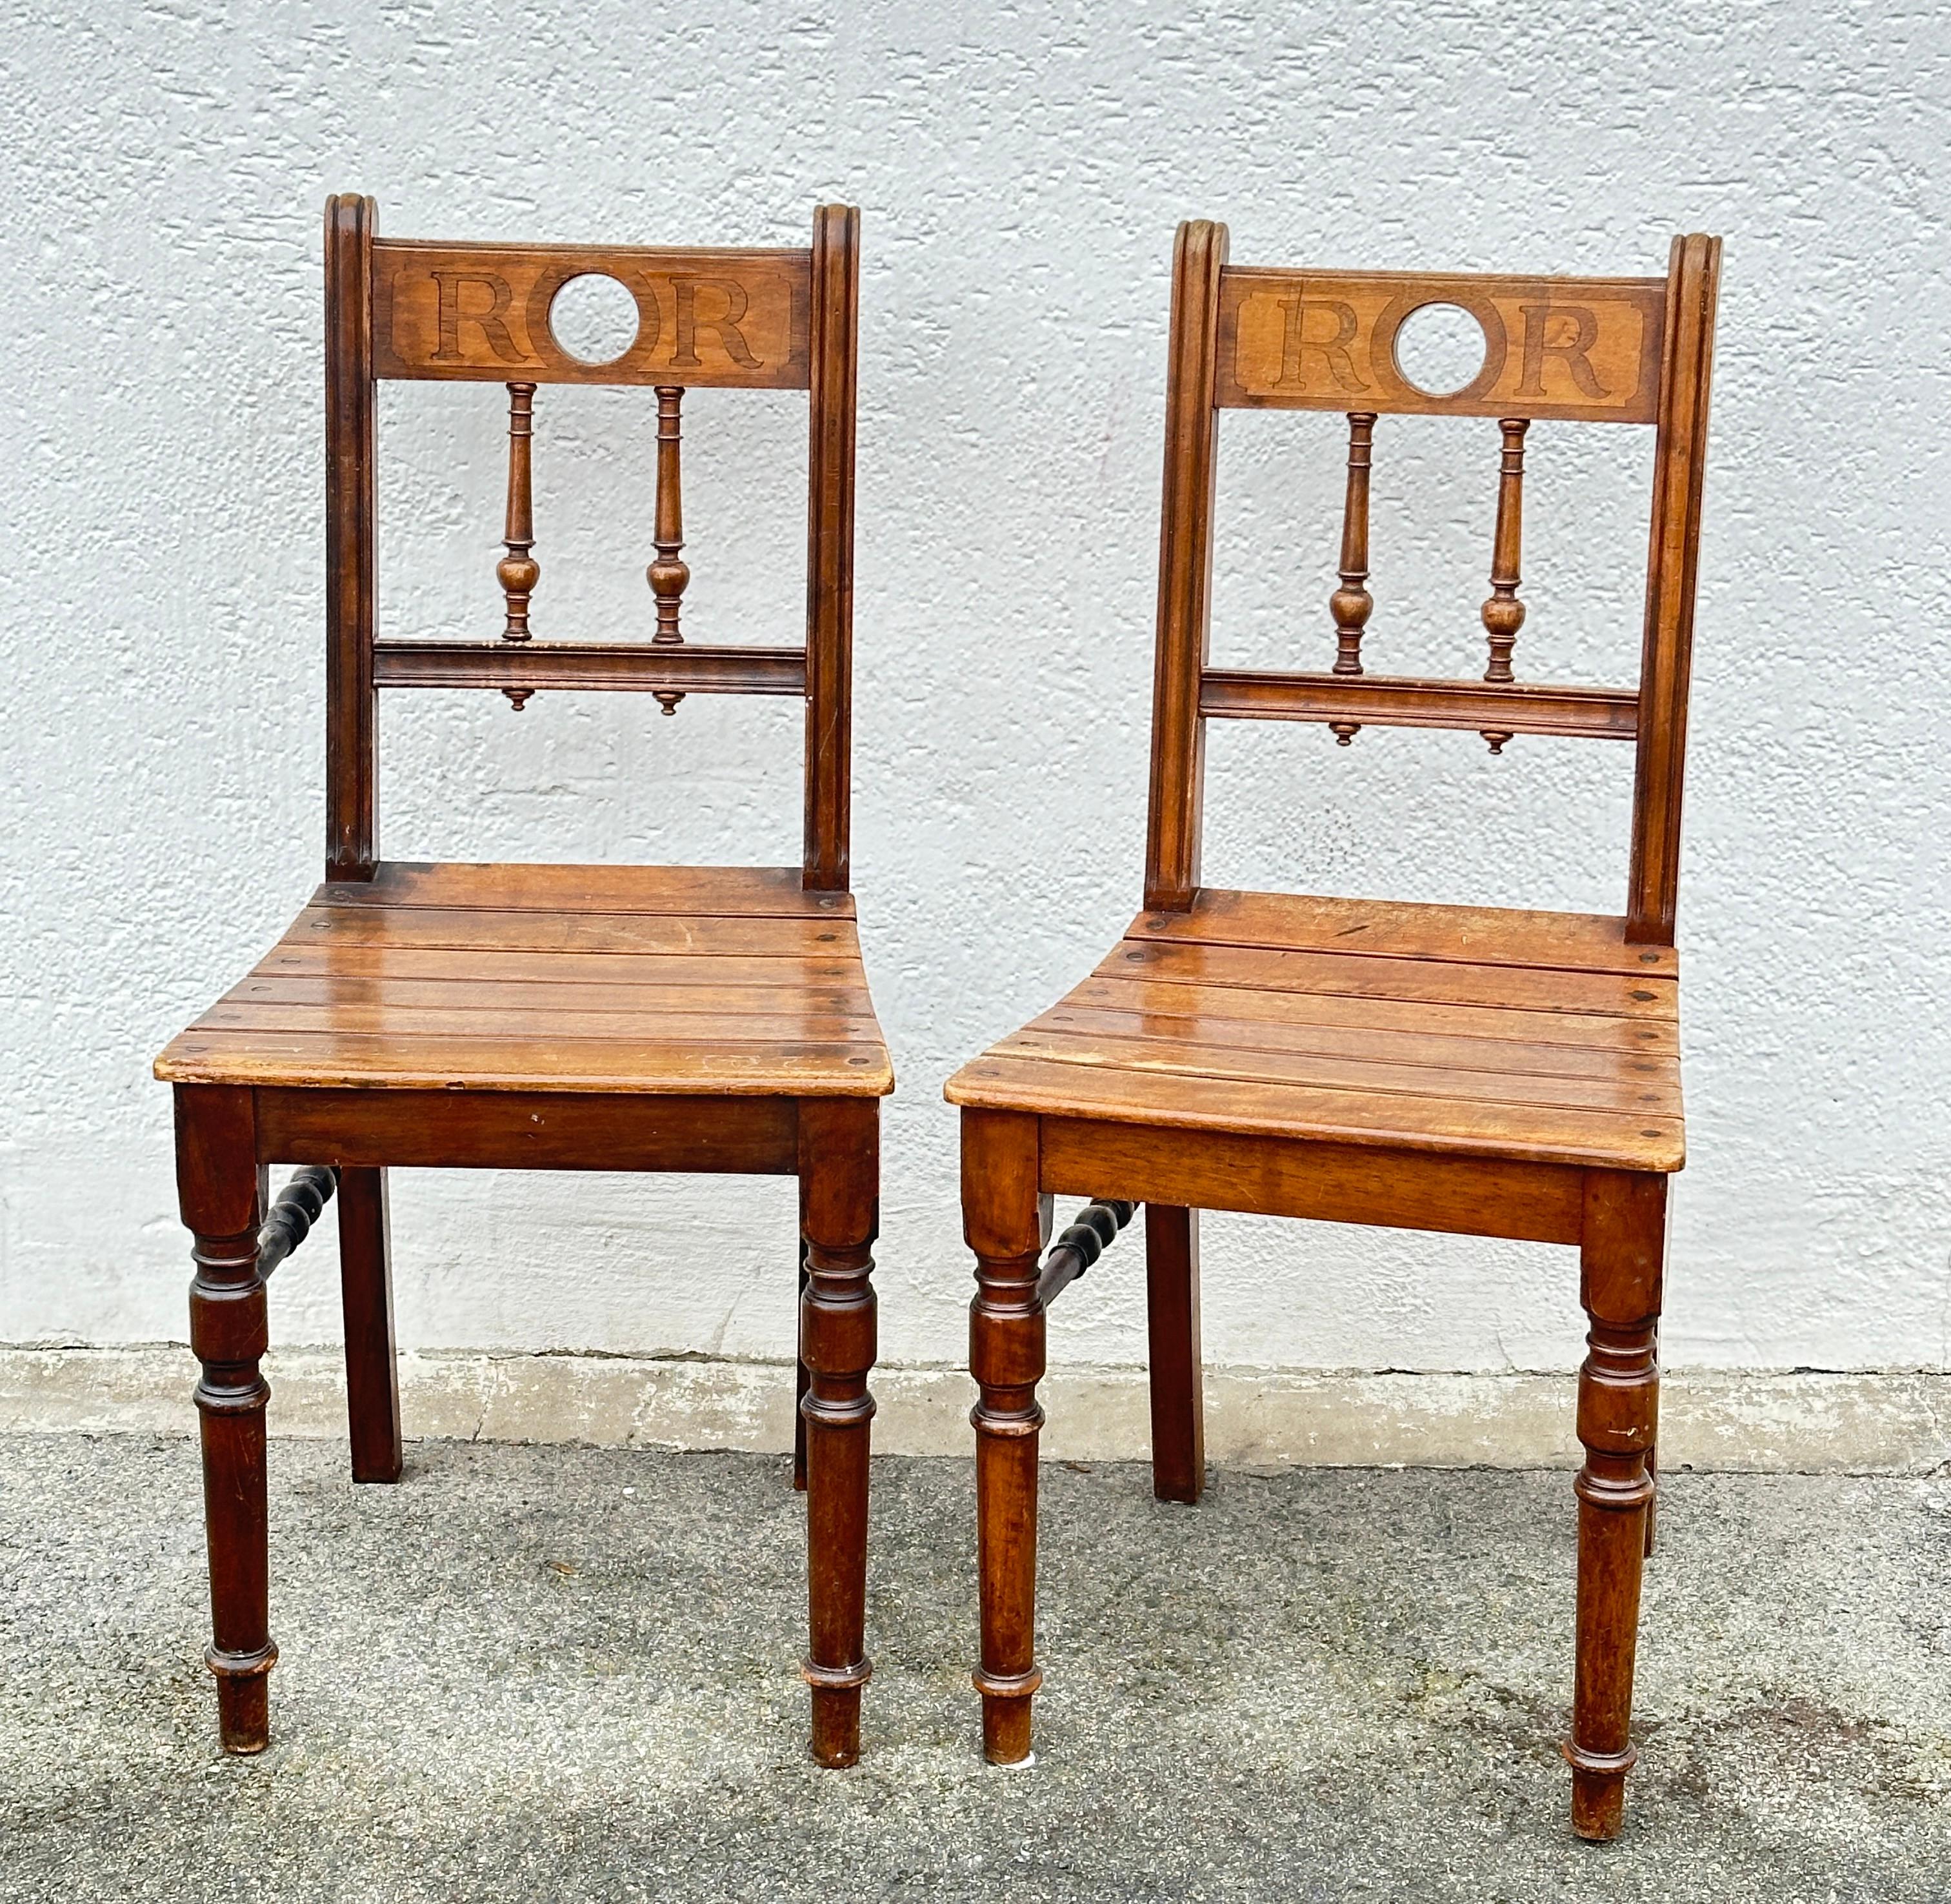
[[1006, 1716], [1598, 1799], [243, 1699], [836, 1725]]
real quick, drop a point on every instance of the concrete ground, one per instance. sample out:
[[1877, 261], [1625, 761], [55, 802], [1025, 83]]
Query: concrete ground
[[561, 1673]]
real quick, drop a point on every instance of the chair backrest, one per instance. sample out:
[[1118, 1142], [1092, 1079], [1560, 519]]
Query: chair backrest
[[748, 320], [1601, 350]]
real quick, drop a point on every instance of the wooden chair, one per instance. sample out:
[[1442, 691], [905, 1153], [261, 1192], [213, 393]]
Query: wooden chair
[[1490, 1073], [550, 1018]]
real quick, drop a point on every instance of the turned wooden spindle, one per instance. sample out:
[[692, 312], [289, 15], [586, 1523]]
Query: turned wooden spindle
[[1503, 613], [1351, 604], [518, 571], [667, 575]]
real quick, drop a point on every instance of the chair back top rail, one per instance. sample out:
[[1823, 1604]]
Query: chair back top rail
[[1586, 349], [1589, 350], [741, 319], [481, 312]]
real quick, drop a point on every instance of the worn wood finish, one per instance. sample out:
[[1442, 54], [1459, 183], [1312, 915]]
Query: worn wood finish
[[539, 1017], [1002, 1218], [1185, 570], [474, 312], [1666, 658], [351, 535], [829, 552], [1622, 1264], [220, 1192], [796, 1034], [1472, 1070], [1172, 1310], [1433, 1080], [840, 1176]]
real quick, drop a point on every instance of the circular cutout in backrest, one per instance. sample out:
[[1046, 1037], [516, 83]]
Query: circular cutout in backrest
[[1440, 349], [593, 318]]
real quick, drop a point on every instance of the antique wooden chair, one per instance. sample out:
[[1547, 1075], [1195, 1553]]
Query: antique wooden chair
[[1486, 1072], [550, 1018]]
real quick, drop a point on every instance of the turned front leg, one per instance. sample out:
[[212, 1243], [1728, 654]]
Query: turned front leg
[[1000, 1217], [221, 1198], [1624, 1251], [840, 1180]]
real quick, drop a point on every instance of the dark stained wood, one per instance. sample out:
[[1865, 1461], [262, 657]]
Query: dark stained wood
[[1329, 1183], [1390, 700], [829, 559], [531, 1130], [218, 1186], [1666, 658], [839, 1163], [588, 666], [1171, 1311], [1622, 1259], [365, 1285], [1473, 1070], [1185, 570], [351, 451], [737, 318], [539, 1017], [296, 1209], [1002, 1218], [1586, 349]]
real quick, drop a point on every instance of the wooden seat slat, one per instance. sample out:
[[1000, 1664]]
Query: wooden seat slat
[[1491, 1023], [1537, 1133], [1393, 929], [1260, 968]]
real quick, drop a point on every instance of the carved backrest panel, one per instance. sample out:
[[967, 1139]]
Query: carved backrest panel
[[760, 319], [1604, 349], [482, 312], [1583, 348]]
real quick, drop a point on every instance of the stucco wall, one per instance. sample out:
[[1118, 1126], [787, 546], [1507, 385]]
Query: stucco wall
[[1020, 172]]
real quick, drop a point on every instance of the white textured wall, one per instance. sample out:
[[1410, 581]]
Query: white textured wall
[[1020, 171]]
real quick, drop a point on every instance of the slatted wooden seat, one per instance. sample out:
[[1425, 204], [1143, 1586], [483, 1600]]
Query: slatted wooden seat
[[657, 979], [1474, 1070], [547, 1017], [1455, 1030]]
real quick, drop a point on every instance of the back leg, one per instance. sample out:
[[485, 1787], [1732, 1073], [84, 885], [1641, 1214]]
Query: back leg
[[1178, 1404], [804, 1381], [372, 1368]]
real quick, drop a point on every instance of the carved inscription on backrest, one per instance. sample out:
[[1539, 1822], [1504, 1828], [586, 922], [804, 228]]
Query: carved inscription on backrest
[[736, 318], [1573, 347]]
